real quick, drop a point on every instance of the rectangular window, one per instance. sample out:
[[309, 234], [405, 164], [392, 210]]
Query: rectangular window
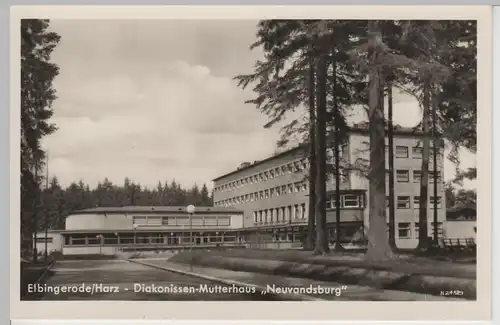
[[223, 221], [304, 186], [283, 189], [297, 212], [140, 221], [330, 203], [431, 202], [440, 229], [296, 166], [271, 192], [78, 240], [433, 174], [401, 152], [296, 187], [417, 176], [266, 194], [402, 176], [290, 188], [303, 210], [271, 174], [404, 230], [94, 240], [154, 221], [266, 175], [47, 240], [416, 152], [351, 201], [212, 221], [278, 191], [261, 195], [416, 202], [403, 202]]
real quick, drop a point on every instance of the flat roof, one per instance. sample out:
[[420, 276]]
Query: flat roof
[[361, 128], [156, 209]]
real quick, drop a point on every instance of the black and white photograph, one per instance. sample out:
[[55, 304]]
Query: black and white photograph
[[249, 160]]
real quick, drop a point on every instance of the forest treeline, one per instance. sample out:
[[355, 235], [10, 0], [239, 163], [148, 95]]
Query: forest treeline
[[56, 203]]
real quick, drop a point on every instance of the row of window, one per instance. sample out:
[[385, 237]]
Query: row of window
[[403, 152], [404, 202], [403, 175], [265, 194], [182, 221], [405, 230], [166, 239], [297, 166], [281, 214], [288, 168], [347, 201]]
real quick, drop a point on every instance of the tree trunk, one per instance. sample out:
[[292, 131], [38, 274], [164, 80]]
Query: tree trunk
[[321, 244], [35, 212], [378, 245], [423, 234], [309, 244], [390, 135], [435, 168], [338, 244]]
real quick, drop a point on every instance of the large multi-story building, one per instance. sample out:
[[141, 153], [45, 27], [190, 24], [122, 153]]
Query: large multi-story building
[[273, 192]]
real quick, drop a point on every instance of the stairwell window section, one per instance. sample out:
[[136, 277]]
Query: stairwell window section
[[404, 230], [403, 202]]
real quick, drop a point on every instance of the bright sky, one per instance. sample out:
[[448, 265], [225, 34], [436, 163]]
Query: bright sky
[[155, 100]]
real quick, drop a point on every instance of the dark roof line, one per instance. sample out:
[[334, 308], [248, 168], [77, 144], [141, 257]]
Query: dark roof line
[[361, 128], [155, 209]]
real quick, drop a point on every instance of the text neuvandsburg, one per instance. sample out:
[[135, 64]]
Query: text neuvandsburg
[[309, 290]]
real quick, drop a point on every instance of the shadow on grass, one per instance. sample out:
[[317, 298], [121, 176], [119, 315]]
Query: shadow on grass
[[415, 265]]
